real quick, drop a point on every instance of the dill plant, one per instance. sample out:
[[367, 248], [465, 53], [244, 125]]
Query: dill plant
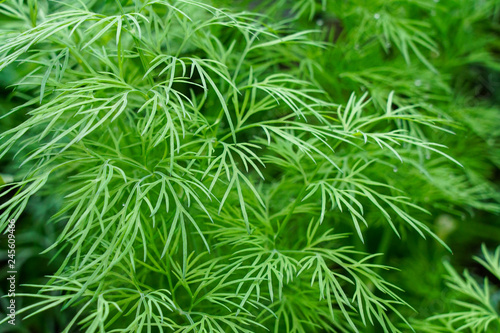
[[219, 169]]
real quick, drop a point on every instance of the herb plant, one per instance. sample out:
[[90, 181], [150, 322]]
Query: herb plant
[[228, 170]]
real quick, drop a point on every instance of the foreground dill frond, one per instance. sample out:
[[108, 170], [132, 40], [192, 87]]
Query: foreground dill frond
[[208, 183]]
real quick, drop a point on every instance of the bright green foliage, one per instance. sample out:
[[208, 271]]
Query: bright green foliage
[[221, 170]]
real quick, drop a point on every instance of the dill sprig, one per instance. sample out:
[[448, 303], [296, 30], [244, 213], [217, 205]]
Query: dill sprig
[[215, 173]]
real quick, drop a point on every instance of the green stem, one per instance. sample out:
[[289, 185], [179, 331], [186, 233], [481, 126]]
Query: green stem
[[296, 202], [137, 44]]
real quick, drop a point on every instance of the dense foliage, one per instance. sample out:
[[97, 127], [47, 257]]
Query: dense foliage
[[253, 166]]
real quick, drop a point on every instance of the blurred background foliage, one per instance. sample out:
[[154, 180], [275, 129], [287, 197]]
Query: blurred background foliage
[[442, 55]]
